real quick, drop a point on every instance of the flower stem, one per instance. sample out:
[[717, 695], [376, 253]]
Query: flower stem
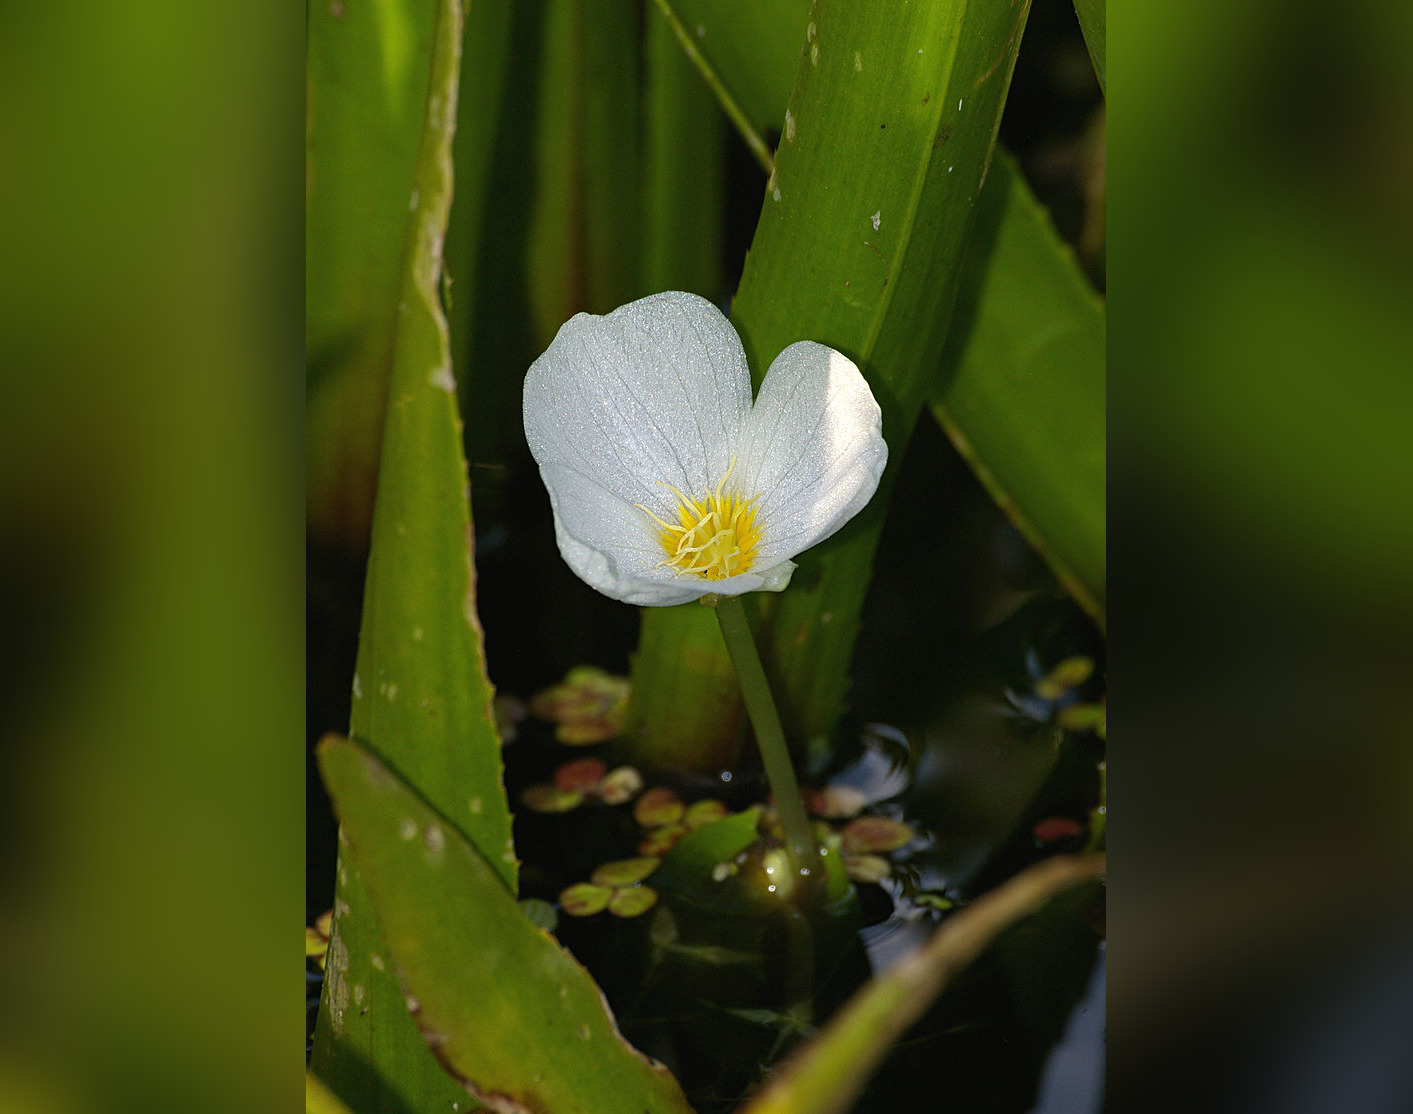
[[770, 737]]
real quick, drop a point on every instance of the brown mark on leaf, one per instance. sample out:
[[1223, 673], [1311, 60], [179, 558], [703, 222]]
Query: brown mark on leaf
[[944, 133], [880, 256]]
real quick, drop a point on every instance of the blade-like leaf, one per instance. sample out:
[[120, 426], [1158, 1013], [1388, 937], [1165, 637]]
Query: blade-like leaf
[[1091, 22], [684, 182], [505, 1008], [827, 1074], [885, 147], [751, 49], [1022, 389], [420, 694], [368, 68]]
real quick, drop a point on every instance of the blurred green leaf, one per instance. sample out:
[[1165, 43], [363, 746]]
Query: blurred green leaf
[[1022, 391], [689, 866], [826, 1075], [1091, 21], [885, 147], [585, 235], [504, 1007], [368, 66], [318, 1099], [684, 178], [420, 694]]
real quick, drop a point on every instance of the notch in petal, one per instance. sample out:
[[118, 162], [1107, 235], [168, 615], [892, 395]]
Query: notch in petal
[[813, 446]]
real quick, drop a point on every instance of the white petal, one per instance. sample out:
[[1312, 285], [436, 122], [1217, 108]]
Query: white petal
[[613, 547], [812, 446], [654, 392]]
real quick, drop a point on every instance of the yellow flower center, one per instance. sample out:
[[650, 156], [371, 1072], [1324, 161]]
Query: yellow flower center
[[717, 535]]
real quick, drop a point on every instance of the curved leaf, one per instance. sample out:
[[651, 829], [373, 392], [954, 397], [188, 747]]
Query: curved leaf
[[827, 1074], [1022, 392], [1091, 21], [885, 147], [420, 693], [504, 1007]]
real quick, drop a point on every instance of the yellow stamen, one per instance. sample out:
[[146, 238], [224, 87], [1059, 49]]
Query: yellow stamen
[[718, 534]]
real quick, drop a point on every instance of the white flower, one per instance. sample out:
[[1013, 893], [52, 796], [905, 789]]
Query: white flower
[[667, 484]]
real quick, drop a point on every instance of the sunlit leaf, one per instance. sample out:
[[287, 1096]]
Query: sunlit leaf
[[885, 147]]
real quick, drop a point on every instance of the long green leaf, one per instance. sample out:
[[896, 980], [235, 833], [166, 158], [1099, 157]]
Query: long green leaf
[[684, 180], [420, 694], [827, 1074], [505, 1008], [368, 67], [1091, 22], [584, 246], [1022, 388], [886, 144]]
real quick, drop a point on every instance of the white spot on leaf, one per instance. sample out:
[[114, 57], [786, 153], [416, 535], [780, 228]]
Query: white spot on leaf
[[442, 377], [858, 62], [876, 219], [434, 839], [408, 828], [789, 127]]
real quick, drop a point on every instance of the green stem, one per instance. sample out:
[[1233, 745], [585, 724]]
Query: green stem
[[770, 737]]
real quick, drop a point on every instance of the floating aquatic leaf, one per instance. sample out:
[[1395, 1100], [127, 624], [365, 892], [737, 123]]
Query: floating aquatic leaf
[[657, 807], [625, 872], [584, 899], [875, 833], [582, 775], [620, 785], [659, 841], [633, 901], [551, 798], [587, 706], [703, 812]]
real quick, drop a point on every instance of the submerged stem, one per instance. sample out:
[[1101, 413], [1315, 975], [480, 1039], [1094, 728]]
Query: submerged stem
[[770, 737]]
